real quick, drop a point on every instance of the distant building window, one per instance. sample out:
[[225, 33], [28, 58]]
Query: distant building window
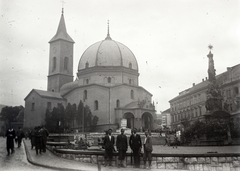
[[109, 79], [52, 90], [85, 95], [130, 81], [118, 103], [54, 63], [130, 65], [33, 106], [49, 105], [132, 94], [86, 65], [87, 81], [66, 63], [95, 105]]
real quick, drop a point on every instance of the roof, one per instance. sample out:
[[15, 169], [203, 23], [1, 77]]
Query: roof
[[108, 53], [46, 94], [62, 32], [220, 78], [166, 111]]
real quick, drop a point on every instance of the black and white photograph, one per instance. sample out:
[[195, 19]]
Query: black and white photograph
[[119, 85]]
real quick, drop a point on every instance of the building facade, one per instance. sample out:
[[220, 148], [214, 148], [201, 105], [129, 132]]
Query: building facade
[[190, 103], [107, 81], [166, 118]]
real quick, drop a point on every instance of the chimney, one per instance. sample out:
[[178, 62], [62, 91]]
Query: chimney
[[203, 80], [206, 78], [193, 84]]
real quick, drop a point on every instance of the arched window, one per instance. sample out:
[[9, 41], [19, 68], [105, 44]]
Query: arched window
[[109, 79], [66, 63], [85, 95], [54, 63], [95, 105], [130, 65], [132, 94], [118, 103], [86, 65]]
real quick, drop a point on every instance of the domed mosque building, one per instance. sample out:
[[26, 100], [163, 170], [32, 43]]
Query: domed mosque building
[[107, 82]]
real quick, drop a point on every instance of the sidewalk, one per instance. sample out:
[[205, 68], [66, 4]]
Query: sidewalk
[[49, 160]]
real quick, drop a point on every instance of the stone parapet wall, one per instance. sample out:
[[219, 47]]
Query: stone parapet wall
[[196, 162]]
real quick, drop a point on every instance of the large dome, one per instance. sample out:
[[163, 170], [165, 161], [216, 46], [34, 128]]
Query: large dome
[[108, 53]]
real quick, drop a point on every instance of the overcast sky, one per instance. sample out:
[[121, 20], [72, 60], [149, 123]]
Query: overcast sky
[[169, 39]]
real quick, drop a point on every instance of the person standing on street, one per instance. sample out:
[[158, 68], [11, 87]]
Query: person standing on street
[[39, 138], [20, 136], [45, 134], [147, 149], [109, 147], [10, 134], [122, 147], [136, 146]]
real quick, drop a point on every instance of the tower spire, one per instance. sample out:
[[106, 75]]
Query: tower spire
[[108, 34], [62, 31], [63, 6]]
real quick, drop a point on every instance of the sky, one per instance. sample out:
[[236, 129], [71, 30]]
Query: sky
[[169, 39]]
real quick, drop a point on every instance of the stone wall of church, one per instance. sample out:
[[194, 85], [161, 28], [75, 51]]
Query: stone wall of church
[[34, 115], [101, 78], [94, 92], [107, 99]]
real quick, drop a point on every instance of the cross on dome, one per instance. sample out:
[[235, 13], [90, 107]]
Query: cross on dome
[[108, 34]]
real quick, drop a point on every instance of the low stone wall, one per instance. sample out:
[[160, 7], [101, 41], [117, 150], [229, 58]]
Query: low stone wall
[[196, 162]]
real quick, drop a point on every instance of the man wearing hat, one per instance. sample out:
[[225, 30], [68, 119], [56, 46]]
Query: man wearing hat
[[109, 147], [136, 146], [122, 147]]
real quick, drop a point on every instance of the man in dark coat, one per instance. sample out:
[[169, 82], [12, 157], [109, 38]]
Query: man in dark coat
[[20, 136], [45, 134], [109, 147], [136, 146], [39, 140], [122, 147], [10, 134], [32, 137], [147, 149]]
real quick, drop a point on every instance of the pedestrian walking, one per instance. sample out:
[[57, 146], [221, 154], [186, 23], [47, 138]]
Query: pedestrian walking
[[147, 150], [166, 140], [32, 137], [45, 134], [39, 139], [135, 144], [122, 147], [10, 134], [175, 141], [109, 147], [20, 136]]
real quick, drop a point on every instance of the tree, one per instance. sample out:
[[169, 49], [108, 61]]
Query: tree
[[79, 113], [94, 123], [49, 121], [70, 112], [10, 114], [60, 119]]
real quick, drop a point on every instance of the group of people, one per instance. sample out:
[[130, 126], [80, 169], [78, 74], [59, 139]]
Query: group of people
[[12, 135], [135, 144], [38, 137], [171, 140]]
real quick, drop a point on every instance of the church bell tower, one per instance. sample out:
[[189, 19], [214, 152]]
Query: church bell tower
[[60, 58]]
